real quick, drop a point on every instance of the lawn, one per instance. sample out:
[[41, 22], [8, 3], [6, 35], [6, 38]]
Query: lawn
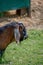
[[28, 52]]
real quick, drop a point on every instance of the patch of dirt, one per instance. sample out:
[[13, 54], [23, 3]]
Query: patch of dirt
[[36, 20]]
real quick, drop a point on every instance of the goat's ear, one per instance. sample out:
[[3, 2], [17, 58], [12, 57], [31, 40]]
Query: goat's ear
[[19, 27], [14, 32]]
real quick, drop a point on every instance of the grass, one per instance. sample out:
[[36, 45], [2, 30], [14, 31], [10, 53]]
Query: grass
[[28, 52]]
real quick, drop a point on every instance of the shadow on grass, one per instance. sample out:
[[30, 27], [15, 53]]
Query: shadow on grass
[[1, 55], [2, 60]]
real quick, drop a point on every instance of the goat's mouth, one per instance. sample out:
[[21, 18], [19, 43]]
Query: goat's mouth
[[26, 36]]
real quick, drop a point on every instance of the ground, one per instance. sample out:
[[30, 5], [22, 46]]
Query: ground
[[28, 52], [36, 20]]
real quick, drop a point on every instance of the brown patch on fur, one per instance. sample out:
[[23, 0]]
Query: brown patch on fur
[[6, 37]]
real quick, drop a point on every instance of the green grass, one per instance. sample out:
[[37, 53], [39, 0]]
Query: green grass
[[28, 52]]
